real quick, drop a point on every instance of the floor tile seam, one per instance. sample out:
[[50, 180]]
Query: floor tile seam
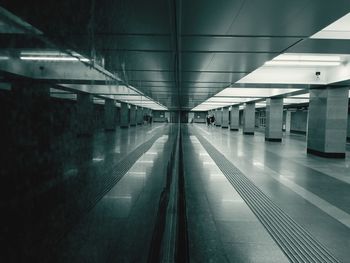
[[298, 186], [252, 183], [305, 192], [224, 152], [305, 165], [93, 203]]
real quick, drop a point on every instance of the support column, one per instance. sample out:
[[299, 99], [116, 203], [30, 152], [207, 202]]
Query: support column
[[218, 118], [274, 119], [225, 117], [110, 115], [288, 121], [124, 115], [234, 118], [249, 118], [132, 115], [139, 115], [85, 114], [327, 122]]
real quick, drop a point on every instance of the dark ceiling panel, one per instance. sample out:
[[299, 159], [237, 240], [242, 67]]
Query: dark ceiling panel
[[287, 18], [203, 46], [223, 77], [209, 17], [246, 62], [139, 61], [322, 46], [237, 44]]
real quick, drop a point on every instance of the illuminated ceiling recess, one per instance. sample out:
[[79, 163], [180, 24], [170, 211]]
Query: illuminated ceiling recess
[[121, 93], [338, 30], [62, 66], [290, 69]]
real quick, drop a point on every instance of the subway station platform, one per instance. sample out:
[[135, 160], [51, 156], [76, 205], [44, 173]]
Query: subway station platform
[[312, 191], [246, 200], [174, 131]]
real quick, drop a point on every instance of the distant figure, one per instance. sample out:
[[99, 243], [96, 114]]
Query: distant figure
[[212, 120], [208, 120], [150, 119]]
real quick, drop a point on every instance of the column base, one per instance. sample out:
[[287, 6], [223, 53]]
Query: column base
[[133, 125], [234, 129], [225, 127], [273, 139], [217, 125], [109, 129], [327, 155], [124, 126], [248, 133]]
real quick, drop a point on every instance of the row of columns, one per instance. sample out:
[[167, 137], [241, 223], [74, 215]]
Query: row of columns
[[327, 120], [131, 117], [32, 91]]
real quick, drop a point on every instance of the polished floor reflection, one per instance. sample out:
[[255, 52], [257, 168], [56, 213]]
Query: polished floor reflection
[[122, 221], [314, 191], [101, 202], [222, 228]]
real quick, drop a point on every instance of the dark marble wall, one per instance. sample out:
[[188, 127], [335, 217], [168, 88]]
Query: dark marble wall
[[41, 151]]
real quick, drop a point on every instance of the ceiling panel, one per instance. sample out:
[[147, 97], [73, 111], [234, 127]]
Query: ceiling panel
[[208, 17], [141, 76], [238, 62], [212, 76], [287, 18], [330, 46], [139, 61], [237, 44], [105, 42]]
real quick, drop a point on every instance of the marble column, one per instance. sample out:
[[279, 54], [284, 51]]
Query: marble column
[[85, 114], [274, 119], [234, 118], [288, 121], [110, 115], [225, 117], [132, 115], [327, 122], [249, 118], [218, 118], [139, 115], [124, 115]]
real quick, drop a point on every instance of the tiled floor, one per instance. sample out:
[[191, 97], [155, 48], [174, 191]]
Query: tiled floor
[[77, 171], [221, 226], [314, 191], [120, 226]]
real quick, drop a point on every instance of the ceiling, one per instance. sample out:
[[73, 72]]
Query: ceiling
[[179, 53]]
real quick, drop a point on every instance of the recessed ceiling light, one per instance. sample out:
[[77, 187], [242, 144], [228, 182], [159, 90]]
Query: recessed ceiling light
[[337, 30], [301, 63], [37, 58], [302, 57]]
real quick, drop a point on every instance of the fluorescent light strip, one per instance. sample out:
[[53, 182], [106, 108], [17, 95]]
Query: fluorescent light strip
[[302, 58], [55, 59], [301, 63]]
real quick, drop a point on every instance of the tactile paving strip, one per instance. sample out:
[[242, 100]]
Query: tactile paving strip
[[295, 241]]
